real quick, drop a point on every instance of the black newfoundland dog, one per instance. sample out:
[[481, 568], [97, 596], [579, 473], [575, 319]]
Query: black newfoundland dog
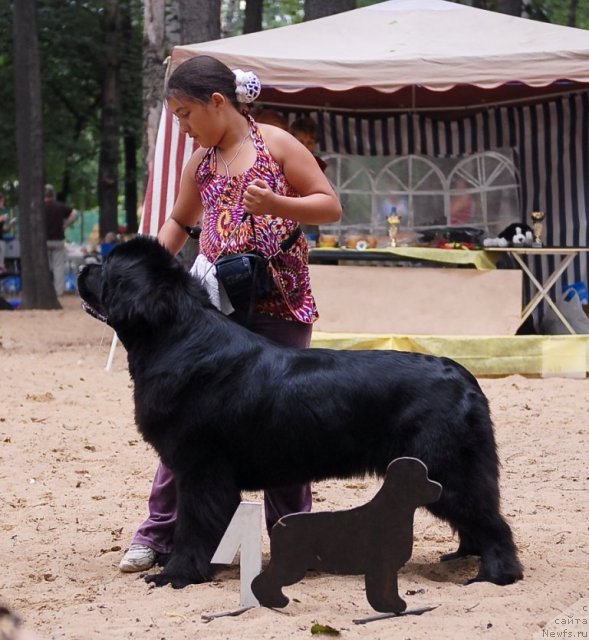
[[228, 411]]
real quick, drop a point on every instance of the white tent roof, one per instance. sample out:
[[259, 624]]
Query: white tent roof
[[399, 43]]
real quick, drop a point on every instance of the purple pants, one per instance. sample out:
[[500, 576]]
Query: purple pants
[[157, 532]]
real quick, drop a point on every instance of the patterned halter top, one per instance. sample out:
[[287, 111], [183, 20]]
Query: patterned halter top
[[223, 231]]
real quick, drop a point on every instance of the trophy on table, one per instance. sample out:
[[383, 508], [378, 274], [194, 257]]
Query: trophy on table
[[538, 226], [394, 221]]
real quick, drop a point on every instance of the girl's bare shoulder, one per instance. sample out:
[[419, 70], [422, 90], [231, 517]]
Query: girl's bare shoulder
[[278, 141]]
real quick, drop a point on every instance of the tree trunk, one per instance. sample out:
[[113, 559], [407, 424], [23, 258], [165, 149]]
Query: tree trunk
[[131, 105], [572, 21], [108, 171], [154, 54], [320, 8], [510, 7], [165, 25], [131, 182], [67, 167], [37, 285], [200, 20], [253, 16]]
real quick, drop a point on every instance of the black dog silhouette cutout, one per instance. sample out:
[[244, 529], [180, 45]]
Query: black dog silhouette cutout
[[375, 539]]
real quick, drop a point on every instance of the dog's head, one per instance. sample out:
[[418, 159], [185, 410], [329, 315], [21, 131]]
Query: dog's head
[[140, 286]]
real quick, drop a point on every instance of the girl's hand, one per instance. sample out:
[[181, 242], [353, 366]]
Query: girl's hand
[[258, 197]]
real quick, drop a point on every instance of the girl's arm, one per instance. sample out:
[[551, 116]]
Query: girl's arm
[[318, 203], [187, 208]]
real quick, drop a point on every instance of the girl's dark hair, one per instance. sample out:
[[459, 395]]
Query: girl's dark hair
[[199, 77]]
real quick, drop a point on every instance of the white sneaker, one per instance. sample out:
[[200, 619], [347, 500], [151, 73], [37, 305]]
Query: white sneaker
[[139, 557]]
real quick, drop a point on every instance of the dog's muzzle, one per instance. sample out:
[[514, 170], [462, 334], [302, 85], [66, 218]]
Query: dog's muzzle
[[89, 309]]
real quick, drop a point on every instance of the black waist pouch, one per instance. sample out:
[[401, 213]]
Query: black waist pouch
[[245, 278]]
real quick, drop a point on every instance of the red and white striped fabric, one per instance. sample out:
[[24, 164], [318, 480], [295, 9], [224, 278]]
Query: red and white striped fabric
[[172, 151]]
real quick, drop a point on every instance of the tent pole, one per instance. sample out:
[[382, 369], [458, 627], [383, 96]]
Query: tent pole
[[111, 355]]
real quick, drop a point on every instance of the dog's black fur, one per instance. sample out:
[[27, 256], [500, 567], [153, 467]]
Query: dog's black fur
[[228, 410]]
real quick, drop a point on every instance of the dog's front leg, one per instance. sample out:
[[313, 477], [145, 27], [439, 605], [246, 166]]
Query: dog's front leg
[[206, 504]]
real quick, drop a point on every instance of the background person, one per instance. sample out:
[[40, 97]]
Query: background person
[[305, 130], [4, 221], [240, 166], [269, 116], [462, 204], [58, 216]]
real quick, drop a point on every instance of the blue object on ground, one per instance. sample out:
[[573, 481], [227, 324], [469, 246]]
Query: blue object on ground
[[580, 288], [11, 284]]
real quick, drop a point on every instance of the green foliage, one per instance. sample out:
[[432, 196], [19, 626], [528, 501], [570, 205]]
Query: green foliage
[[559, 12], [131, 77], [276, 13], [554, 11], [282, 13], [324, 629], [70, 40], [366, 3], [72, 57], [71, 45]]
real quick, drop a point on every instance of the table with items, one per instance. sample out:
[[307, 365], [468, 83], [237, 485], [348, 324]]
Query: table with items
[[564, 256]]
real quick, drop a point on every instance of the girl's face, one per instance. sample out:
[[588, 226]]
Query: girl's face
[[201, 121]]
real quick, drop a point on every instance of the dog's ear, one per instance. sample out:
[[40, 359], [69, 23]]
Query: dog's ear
[[133, 307], [144, 286]]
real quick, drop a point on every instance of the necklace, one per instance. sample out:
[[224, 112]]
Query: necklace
[[228, 164]]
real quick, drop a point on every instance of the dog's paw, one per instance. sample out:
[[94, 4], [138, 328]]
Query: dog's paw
[[162, 559], [177, 581], [502, 579], [462, 552], [455, 555]]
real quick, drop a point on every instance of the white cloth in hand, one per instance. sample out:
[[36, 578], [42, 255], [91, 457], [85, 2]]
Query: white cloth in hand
[[206, 273]]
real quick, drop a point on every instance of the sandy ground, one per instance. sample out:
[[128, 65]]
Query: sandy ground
[[75, 475]]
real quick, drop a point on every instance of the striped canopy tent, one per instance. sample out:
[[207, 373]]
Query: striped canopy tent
[[423, 77]]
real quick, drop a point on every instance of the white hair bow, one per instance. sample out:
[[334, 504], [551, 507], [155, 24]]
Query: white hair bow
[[247, 86]]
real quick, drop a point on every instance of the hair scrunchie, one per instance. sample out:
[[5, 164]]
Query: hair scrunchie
[[247, 86]]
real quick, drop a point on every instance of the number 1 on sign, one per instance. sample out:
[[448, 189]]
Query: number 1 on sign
[[244, 534]]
